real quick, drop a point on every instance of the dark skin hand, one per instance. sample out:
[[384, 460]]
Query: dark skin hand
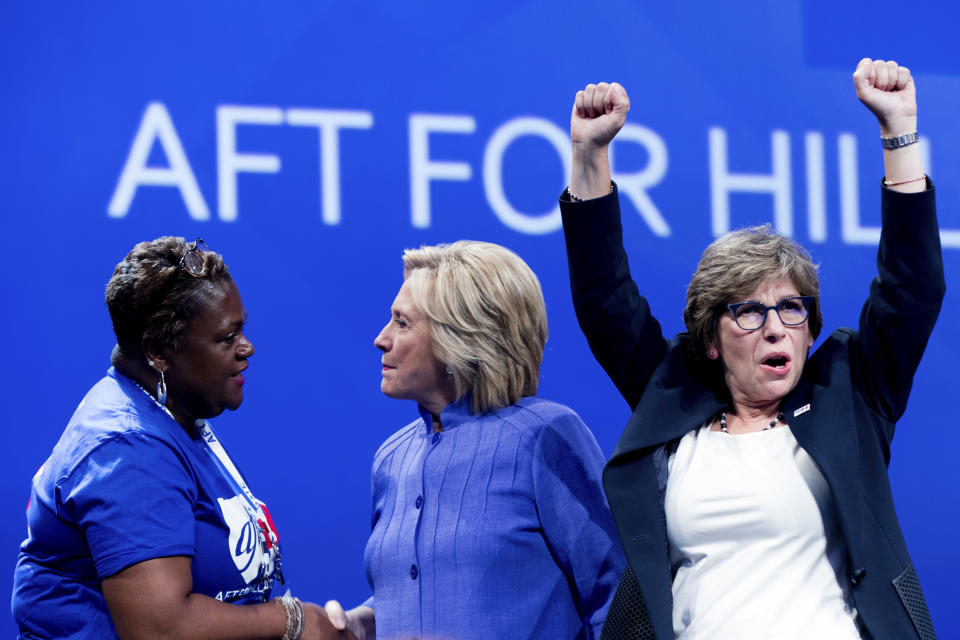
[[154, 599]]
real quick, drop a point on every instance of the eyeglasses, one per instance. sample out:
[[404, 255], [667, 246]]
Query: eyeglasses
[[750, 316], [192, 260]]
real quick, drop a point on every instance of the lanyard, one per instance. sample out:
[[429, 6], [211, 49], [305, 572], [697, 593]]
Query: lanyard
[[270, 563], [255, 509], [219, 454]]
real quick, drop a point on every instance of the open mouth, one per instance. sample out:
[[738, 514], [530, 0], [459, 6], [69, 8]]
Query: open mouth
[[777, 362]]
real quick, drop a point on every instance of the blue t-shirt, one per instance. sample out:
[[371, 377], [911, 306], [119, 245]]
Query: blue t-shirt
[[125, 484], [496, 527]]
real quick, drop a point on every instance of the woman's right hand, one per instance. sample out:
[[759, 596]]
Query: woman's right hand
[[888, 90], [317, 625], [599, 112], [359, 620]]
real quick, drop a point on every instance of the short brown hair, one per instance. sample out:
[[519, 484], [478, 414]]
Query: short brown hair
[[733, 266]]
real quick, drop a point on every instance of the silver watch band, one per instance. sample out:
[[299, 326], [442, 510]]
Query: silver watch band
[[899, 141]]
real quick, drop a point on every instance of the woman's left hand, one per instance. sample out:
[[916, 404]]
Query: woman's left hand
[[887, 89]]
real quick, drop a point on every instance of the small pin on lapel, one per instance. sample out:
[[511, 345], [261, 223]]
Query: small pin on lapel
[[801, 410]]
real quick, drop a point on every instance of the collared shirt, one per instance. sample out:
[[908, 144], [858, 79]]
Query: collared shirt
[[495, 527]]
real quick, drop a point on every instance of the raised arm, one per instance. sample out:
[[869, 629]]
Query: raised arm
[[623, 335], [905, 297], [599, 111], [888, 90]]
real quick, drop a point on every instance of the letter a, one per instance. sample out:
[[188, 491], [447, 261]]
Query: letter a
[[157, 125]]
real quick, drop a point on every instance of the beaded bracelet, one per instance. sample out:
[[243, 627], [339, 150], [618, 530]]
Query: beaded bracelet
[[574, 198]]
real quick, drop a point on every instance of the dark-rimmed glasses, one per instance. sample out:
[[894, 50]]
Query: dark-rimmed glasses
[[192, 260], [750, 316]]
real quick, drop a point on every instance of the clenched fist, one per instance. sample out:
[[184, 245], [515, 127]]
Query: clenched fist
[[599, 112], [887, 89]]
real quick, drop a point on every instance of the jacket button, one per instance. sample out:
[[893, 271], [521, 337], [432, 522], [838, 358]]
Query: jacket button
[[414, 572], [857, 576], [419, 502]]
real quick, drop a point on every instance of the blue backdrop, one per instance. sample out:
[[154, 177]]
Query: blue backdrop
[[311, 142]]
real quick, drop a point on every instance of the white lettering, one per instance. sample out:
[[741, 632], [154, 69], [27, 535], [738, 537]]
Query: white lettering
[[777, 183], [242, 540], [229, 162], [635, 185], [493, 172], [850, 230], [924, 144], [816, 189], [156, 127], [156, 124], [328, 124], [423, 170], [949, 238]]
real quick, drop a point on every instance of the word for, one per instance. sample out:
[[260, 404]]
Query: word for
[[156, 127]]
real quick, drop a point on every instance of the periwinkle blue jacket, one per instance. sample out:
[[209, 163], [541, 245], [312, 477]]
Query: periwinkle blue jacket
[[495, 527]]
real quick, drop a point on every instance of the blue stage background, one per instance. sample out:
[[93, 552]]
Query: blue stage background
[[124, 123]]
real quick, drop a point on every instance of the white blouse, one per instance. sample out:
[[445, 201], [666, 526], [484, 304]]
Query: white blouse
[[755, 547]]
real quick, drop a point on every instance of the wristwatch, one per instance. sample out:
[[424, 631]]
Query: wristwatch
[[899, 141]]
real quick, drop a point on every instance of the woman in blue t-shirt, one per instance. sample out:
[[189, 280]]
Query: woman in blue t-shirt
[[139, 523]]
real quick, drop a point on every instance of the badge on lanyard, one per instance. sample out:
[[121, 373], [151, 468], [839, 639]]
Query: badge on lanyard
[[255, 511]]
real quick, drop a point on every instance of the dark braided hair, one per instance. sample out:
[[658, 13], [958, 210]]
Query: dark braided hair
[[150, 296]]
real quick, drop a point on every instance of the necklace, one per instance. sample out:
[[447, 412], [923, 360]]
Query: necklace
[[773, 423], [155, 401]]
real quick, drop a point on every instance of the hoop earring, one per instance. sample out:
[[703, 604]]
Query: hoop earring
[[162, 391]]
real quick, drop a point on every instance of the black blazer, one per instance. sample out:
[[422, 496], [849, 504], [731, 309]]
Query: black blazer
[[856, 385]]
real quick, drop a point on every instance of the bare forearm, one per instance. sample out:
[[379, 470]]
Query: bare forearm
[[200, 617], [590, 171], [155, 599], [888, 90], [904, 165]]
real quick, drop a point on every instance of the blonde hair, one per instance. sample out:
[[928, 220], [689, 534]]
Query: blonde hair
[[488, 320], [733, 266]]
